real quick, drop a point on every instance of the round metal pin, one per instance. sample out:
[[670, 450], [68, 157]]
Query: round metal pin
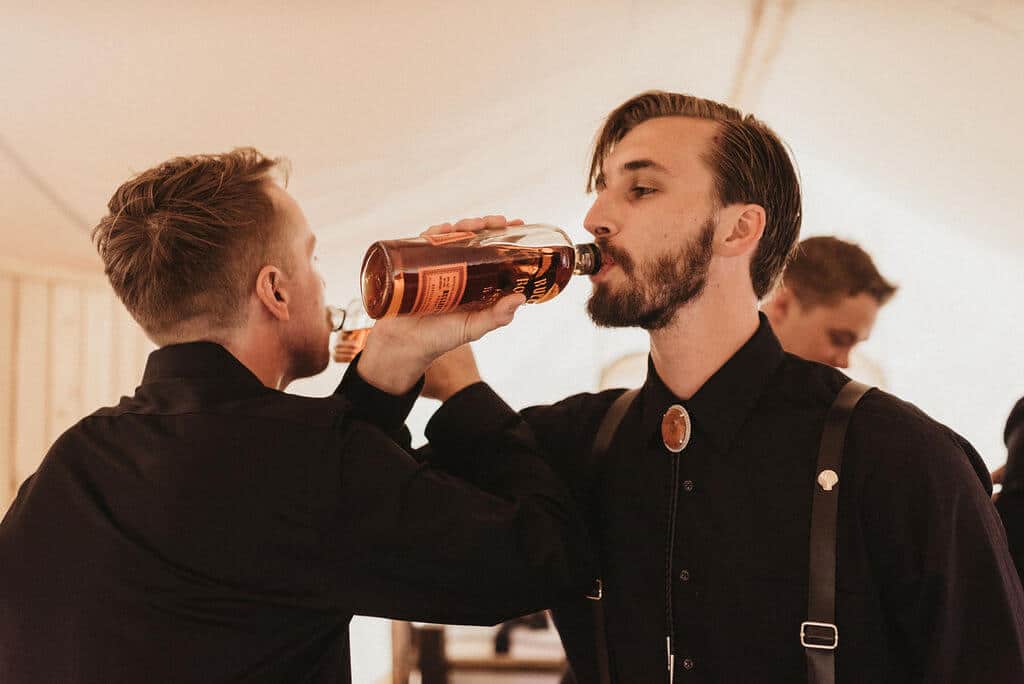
[[676, 428]]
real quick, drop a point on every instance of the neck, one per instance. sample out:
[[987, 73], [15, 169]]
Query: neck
[[260, 352], [255, 344], [704, 335]]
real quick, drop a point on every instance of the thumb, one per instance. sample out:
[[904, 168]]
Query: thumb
[[479, 323]]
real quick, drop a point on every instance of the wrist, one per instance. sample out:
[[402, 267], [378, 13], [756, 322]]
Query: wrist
[[391, 368], [457, 385]]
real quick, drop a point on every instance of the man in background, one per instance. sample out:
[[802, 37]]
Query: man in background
[[828, 300]]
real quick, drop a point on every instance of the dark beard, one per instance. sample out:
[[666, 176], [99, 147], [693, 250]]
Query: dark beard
[[660, 288]]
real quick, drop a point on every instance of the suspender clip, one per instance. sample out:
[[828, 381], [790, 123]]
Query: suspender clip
[[823, 635]]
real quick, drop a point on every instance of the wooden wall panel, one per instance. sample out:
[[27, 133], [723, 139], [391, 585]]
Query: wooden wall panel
[[97, 350], [8, 318], [31, 377], [65, 358]]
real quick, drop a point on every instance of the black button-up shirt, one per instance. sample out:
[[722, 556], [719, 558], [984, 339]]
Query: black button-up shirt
[[926, 590], [211, 529]]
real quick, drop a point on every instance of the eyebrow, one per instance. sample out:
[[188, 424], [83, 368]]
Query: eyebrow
[[634, 165], [643, 164]]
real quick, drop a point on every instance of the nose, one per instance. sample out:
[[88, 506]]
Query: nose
[[599, 221]]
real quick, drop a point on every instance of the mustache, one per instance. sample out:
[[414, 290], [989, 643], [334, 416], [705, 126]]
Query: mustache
[[618, 256]]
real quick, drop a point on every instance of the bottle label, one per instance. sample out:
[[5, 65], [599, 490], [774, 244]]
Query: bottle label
[[440, 289], [447, 238]]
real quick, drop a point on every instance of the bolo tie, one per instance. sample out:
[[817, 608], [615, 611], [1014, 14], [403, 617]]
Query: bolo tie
[[676, 428]]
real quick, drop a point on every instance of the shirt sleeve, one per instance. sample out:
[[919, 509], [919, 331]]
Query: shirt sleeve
[[412, 541], [564, 431], [952, 601], [387, 412]]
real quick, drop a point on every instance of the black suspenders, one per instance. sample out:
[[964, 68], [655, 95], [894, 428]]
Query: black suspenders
[[818, 634], [605, 433]]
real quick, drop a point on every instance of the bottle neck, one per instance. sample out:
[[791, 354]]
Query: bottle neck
[[588, 259]]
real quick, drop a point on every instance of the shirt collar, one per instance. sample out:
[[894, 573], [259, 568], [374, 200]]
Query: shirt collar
[[199, 361], [720, 407]]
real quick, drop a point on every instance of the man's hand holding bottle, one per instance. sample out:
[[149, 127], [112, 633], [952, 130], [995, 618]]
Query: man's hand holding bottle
[[401, 348]]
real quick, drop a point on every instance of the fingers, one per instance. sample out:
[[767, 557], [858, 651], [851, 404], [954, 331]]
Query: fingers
[[437, 229], [344, 356], [998, 473], [479, 323], [472, 225], [344, 352]]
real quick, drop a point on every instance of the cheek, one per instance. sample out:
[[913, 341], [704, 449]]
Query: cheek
[[315, 287]]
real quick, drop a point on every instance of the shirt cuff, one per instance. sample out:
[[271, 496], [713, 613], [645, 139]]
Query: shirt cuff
[[386, 411], [472, 413]]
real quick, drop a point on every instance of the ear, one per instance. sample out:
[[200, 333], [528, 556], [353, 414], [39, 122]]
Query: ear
[[271, 292], [744, 226], [779, 305]]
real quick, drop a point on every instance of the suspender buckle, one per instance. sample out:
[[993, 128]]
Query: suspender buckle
[[597, 593], [823, 635]]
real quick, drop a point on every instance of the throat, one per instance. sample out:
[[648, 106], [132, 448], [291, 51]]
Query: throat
[[690, 350]]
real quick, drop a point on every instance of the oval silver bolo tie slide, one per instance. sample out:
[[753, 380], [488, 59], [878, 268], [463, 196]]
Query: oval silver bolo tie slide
[[675, 428]]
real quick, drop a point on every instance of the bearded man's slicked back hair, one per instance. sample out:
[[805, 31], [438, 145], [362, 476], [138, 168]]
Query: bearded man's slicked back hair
[[185, 240], [749, 162]]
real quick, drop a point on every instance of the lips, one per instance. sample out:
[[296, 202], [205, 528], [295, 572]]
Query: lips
[[607, 264]]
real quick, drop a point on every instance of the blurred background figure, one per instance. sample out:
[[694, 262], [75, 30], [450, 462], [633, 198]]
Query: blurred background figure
[[828, 300], [1010, 502]]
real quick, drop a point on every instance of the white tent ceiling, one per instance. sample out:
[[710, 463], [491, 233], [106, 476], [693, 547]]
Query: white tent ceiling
[[397, 114], [903, 116]]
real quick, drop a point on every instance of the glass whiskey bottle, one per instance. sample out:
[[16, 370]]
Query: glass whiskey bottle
[[434, 274]]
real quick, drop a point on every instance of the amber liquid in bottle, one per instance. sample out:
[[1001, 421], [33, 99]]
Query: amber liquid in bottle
[[440, 273]]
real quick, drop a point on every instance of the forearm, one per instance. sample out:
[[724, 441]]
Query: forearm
[[459, 552]]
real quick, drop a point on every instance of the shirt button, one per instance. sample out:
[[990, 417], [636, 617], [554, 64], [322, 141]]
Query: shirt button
[[685, 575], [688, 664], [688, 486]]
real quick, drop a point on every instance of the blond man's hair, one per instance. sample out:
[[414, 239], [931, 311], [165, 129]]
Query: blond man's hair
[[184, 241]]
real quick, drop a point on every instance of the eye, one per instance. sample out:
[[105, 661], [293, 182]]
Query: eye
[[641, 191], [842, 340]]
